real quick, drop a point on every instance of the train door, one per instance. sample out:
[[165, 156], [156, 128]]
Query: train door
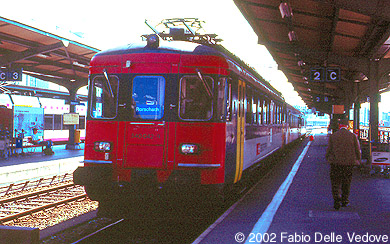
[[144, 137], [240, 130]]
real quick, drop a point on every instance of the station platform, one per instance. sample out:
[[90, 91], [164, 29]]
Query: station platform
[[296, 206], [37, 165]]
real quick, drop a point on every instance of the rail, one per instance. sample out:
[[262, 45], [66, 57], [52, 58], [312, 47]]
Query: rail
[[19, 206], [29, 185], [88, 238]]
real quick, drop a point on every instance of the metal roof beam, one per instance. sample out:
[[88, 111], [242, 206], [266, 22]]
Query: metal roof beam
[[332, 33], [70, 62], [60, 66], [58, 78], [80, 58], [29, 44], [351, 63], [9, 59], [16, 40], [374, 8]]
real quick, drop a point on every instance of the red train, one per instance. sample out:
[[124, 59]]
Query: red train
[[171, 113]]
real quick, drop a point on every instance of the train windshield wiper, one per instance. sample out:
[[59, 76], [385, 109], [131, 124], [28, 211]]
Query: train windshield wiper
[[108, 83], [209, 92]]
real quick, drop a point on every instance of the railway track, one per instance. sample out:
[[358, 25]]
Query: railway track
[[31, 185], [20, 205]]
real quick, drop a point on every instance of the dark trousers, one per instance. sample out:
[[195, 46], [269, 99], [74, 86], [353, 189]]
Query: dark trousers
[[341, 177]]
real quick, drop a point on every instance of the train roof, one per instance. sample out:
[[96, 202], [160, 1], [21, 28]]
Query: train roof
[[164, 47], [186, 47]]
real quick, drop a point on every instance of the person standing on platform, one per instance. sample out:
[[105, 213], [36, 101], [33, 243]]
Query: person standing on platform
[[19, 141], [343, 153]]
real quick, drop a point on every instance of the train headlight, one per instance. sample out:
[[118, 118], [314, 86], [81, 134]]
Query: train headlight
[[102, 146], [189, 148]]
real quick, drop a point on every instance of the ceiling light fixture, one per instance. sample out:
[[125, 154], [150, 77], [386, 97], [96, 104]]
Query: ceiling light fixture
[[292, 36], [285, 10]]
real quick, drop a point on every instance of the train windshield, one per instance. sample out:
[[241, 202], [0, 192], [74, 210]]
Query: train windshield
[[196, 102], [104, 97], [148, 97]]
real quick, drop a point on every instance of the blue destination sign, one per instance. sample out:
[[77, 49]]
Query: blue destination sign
[[11, 75], [147, 109]]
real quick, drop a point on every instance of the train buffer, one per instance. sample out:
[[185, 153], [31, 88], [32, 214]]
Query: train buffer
[[298, 207]]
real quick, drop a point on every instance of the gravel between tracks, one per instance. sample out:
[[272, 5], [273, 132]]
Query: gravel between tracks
[[56, 215], [52, 216]]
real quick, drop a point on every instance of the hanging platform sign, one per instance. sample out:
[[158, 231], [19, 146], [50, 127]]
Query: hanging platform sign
[[321, 74], [332, 74], [11, 75], [321, 99], [317, 74]]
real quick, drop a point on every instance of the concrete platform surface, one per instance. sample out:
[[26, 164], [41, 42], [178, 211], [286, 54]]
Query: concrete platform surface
[[37, 165]]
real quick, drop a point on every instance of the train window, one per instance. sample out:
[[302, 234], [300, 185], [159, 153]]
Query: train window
[[196, 98], [148, 97], [104, 97], [249, 105], [265, 112], [254, 110], [81, 124], [272, 112], [276, 111], [49, 120], [224, 99], [279, 115], [260, 111], [229, 105], [57, 122]]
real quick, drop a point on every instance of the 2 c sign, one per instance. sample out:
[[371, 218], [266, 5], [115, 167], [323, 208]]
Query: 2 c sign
[[332, 74], [317, 74], [325, 74]]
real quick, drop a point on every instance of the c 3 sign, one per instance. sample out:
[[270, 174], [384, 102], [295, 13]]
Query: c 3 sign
[[11, 75]]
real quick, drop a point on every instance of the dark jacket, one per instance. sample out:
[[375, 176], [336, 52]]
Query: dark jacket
[[343, 148]]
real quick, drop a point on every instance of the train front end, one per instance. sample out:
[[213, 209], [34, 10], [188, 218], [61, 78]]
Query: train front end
[[156, 118]]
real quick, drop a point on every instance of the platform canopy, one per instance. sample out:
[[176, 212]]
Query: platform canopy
[[44, 55], [339, 39]]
